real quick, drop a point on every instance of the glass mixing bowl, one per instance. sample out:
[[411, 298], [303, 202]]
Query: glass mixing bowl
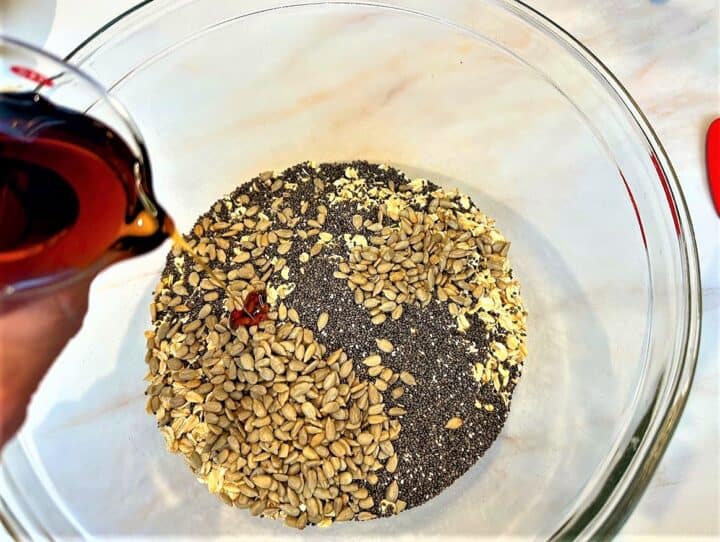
[[488, 96]]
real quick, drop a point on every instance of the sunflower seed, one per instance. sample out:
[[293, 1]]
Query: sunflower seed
[[407, 378], [372, 361], [453, 423], [391, 491], [384, 345], [378, 319], [322, 321]]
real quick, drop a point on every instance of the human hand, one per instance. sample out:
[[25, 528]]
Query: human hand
[[33, 332]]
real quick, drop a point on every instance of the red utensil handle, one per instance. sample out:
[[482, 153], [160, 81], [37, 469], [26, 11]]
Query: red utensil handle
[[712, 155]]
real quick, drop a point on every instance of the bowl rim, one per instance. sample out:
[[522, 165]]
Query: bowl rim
[[603, 511]]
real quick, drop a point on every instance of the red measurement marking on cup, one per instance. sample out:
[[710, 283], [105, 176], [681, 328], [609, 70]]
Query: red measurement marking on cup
[[32, 75], [712, 155]]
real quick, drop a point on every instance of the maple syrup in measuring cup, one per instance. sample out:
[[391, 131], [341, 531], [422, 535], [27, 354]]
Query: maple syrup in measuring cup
[[75, 192], [72, 194]]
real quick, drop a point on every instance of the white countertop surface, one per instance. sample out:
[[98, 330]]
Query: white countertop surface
[[666, 53]]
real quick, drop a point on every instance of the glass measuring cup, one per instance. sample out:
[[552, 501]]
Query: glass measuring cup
[[75, 191]]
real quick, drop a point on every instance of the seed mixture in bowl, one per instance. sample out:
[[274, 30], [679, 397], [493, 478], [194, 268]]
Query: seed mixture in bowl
[[366, 357]]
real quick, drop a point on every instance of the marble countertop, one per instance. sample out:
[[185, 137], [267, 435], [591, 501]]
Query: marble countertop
[[666, 54]]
